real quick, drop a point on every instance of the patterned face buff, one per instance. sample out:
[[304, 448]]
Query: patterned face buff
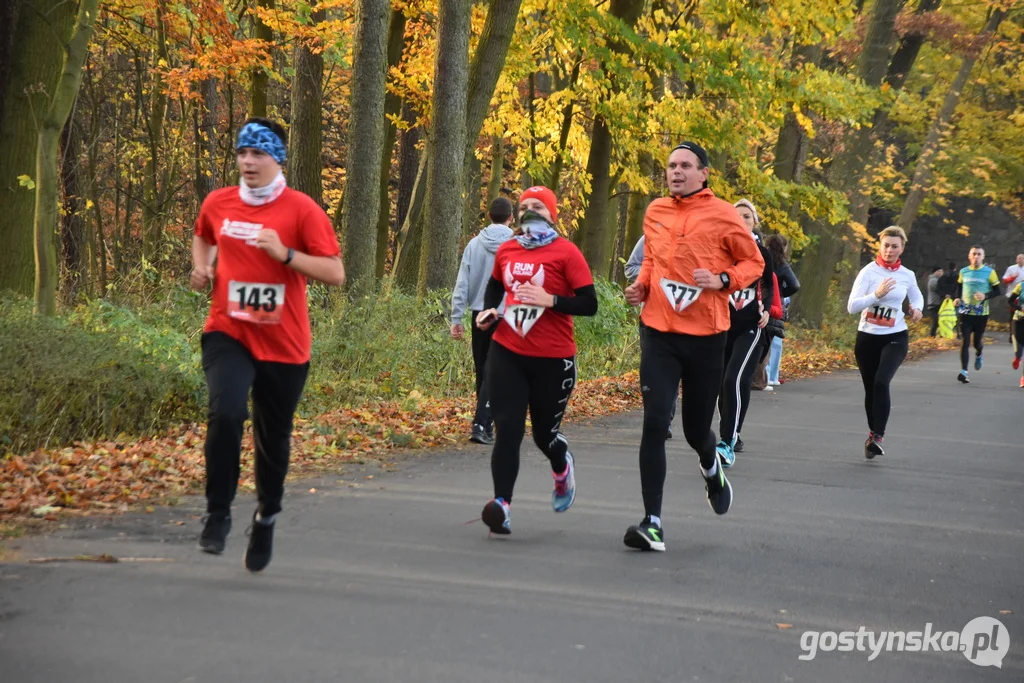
[[537, 231], [260, 137]]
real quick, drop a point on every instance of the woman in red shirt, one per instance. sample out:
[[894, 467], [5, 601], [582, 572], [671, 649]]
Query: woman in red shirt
[[543, 280]]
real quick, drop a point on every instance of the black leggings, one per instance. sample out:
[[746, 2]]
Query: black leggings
[[542, 384], [1018, 337], [481, 344], [971, 324], [665, 360], [742, 354], [879, 357], [276, 388]]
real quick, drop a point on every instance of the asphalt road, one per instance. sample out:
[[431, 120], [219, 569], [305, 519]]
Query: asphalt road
[[390, 580]]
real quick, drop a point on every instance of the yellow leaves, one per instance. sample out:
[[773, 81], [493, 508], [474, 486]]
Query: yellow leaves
[[861, 232], [805, 123], [963, 230], [981, 173]]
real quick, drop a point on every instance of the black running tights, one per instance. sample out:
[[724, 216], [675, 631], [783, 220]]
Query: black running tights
[[519, 382], [742, 353], [231, 372], [665, 360], [879, 357], [971, 324]]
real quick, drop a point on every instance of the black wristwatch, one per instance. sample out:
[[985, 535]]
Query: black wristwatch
[[291, 255], [724, 277]]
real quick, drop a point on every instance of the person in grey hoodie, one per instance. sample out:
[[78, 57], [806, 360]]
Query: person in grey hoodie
[[474, 274]]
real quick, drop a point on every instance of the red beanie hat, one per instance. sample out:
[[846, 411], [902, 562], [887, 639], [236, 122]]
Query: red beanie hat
[[546, 196]]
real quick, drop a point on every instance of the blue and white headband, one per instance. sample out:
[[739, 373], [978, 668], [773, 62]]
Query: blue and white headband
[[260, 137]]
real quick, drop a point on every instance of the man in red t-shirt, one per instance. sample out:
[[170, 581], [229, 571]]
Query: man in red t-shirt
[[267, 240]]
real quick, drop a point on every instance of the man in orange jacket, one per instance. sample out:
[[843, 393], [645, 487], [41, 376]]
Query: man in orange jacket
[[697, 253]]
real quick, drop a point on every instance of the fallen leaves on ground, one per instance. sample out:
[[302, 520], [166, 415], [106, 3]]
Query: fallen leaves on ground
[[802, 359], [114, 476]]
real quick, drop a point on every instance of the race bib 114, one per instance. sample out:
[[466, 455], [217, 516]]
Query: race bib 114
[[255, 302], [883, 316], [680, 295]]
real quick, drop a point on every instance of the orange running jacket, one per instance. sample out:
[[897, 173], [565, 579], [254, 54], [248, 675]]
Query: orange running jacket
[[684, 234]]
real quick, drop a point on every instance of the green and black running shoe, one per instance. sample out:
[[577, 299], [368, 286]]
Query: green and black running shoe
[[719, 490], [645, 536]]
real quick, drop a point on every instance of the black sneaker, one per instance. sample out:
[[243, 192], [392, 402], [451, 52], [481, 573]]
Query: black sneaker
[[719, 490], [738, 446], [963, 377], [261, 545], [645, 536], [480, 435], [668, 433], [873, 447], [216, 527]]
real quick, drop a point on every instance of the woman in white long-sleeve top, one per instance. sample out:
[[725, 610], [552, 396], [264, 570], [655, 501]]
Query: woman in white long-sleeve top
[[882, 339]]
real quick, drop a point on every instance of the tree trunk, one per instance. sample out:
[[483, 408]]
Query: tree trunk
[[923, 170], [636, 207], [152, 201], [818, 264], [305, 143], [497, 167], [97, 246], [871, 140], [618, 231], [406, 267], [563, 133], [366, 139], [592, 237], [41, 29], [205, 116], [73, 231], [46, 159], [397, 42], [488, 61], [445, 179], [8, 22], [408, 164], [260, 78]]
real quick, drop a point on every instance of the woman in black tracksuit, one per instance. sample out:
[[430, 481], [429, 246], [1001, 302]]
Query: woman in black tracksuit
[[744, 344]]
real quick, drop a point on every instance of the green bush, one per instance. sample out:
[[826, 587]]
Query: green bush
[[106, 368], [93, 374], [386, 347]]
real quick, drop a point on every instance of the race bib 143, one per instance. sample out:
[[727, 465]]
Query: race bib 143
[[256, 302]]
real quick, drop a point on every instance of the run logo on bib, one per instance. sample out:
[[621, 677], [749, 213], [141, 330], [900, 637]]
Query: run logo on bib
[[255, 302], [741, 298], [679, 294], [883, 316]]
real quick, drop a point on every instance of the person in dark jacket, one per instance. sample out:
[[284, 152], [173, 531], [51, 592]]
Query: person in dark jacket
[[745, 344], [788, 286]]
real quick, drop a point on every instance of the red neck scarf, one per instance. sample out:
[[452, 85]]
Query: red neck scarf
[[888, 266]]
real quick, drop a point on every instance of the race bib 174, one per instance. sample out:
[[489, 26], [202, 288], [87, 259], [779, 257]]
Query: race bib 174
[[256, 302], [679, 294], [522, 317]]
